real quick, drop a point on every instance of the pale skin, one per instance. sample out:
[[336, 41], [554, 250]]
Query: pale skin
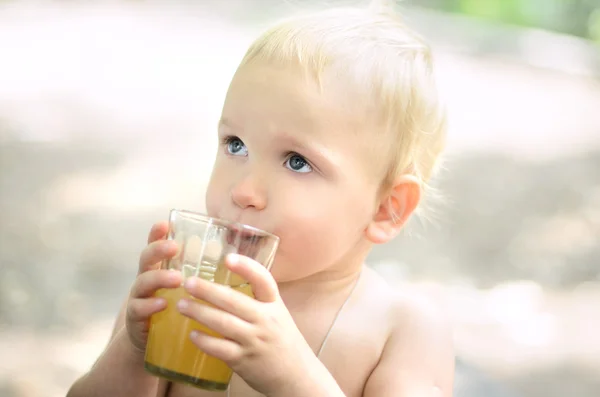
[[281, 137]]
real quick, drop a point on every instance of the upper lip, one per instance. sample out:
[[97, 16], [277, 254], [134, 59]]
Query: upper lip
[[242, 232], [245, 229]]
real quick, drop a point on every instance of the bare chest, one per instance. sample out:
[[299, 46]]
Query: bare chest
[[350, 357], [350, 354]]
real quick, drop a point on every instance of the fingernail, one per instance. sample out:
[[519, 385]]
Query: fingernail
[[194, 334], [233, 259], [173, 276], [168, 247], [191, 283], [183, 304]]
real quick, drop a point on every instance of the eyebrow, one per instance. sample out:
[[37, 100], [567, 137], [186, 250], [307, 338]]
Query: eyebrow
[[225, 122], [315, 152]]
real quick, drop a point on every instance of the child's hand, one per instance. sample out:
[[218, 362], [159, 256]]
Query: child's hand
[[142, 303], [261, 341]]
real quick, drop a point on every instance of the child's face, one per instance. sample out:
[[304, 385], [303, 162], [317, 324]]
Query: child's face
[[293, 161]]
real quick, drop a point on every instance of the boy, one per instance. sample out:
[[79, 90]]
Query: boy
[[341, 103]]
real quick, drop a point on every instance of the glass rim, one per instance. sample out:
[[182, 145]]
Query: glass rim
[[199, 216]]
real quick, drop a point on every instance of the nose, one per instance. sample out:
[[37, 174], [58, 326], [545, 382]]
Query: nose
[[248, 193]]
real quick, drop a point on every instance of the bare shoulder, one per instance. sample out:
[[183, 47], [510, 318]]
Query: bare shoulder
[[422, 304], [420, 308], [418, 357]]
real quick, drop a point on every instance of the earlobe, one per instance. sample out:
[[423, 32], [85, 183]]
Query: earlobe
[[395, 209], [380, 233]]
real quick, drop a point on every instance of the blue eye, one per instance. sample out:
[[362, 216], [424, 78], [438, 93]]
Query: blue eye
[[236, 147], [298, 164]]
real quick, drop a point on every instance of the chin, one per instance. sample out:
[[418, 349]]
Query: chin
[[279, 276], [282, 276], [289, 273]]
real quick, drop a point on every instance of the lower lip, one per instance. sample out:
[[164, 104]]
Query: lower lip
[[242, 236]]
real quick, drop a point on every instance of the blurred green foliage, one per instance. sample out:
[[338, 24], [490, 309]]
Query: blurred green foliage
[[575, 17]]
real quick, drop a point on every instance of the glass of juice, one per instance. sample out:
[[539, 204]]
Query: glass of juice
[[203, 244]]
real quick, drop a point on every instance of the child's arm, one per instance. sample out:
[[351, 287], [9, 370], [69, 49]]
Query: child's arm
[[120, 369], [418, 359], [118, 372]]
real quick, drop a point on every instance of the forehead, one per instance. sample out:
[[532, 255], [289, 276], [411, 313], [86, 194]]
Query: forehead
[[268, 93], [283, 103], [291, 101]]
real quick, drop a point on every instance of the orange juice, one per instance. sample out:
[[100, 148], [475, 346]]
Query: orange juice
[[171, 354]]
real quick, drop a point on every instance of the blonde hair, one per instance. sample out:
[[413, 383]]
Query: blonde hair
[[390, 62]]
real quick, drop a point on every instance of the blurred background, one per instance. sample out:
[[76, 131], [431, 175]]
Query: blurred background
[[107, 120]]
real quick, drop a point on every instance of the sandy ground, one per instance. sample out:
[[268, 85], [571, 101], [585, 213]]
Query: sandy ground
[[107, 116]]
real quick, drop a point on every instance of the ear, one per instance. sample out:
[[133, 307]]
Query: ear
[[395, 208]]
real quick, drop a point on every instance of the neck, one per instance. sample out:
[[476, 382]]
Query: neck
[[326, 284]]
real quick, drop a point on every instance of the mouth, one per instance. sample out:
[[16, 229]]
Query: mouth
[[238, 235], [246, 244]]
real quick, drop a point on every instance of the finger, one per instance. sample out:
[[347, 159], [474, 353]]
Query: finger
[[146, 284], [156, 252], [158, 232], [221, 322], [263, 284], [223, 349], [142, 309], [224, 298]]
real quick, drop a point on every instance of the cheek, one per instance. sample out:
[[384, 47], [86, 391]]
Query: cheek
[[216, 193], [316, 229], [213, 207]]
